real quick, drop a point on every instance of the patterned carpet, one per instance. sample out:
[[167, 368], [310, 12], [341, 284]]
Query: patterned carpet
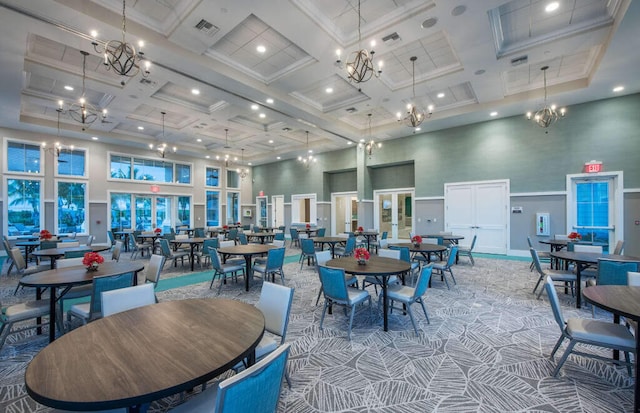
[[486, 350]]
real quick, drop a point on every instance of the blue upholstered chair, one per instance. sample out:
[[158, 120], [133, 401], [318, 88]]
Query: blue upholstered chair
[[558, 276], [308, 251], [222, 271], [273, 265], [468, 251], [443, 267], [93, 310], [321, 259], [295, 237], [123, 299], [409, 295]]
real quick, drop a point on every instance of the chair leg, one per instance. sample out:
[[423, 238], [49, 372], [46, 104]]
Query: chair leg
[[557, 346], [537, 284], [564, 357], [473, 263], [452, 277], [5, 329], [413, 321], [324, 311], [353, 312], [319, 293], [424, 309]]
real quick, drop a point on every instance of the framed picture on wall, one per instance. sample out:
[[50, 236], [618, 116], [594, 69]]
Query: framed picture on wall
[[246, 213]]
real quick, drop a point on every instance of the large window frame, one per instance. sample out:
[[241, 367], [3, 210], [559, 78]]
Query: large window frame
[[126, 214], [147, 162], [67, 156], [37, 224], [232, 178], [74, 218], [208, 169], [212, 208], [232, 213], [40, 161]]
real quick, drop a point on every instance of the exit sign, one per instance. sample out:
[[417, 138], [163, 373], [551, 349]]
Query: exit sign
[[593, 167]]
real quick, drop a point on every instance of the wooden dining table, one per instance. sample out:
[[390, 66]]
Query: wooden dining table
[[425, 249], [263, 237], [65, 278], [247, 251], [54, 253], [330, 241], [621, 300], [29, 247], [141, 355], [193, 243], [584, 259], [379, 267]]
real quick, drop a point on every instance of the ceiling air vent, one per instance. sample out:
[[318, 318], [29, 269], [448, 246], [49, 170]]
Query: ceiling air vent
[[207, 28], [519, 60], [391, 37], [351, 110]]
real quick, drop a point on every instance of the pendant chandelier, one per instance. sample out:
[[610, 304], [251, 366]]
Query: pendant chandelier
[[162, 147], [227, 157], [82, 111], [415, 116], [57, 147], [308, 158], [548, 115], [122, 56], [242, 171], [360, 65], [371, 145]]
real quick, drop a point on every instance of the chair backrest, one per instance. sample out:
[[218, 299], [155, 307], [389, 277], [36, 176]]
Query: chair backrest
[[351, 245], [233, 234], [76, 254], [112, 239], [389, 253], [178, 237], [170, 236], [90, 239], [69, 262], [7, 245], [275, 259], [473, 242], [164, 248], [633, 279], [45, 245], [123, 299], [612, 272], [199, 233], [307, 246], [405, 254], [334, 284], [529, 242], [279, 236], [587, 248], [278, 243], [18, 259], [256, 389], [275, 304], [536, 261], [321, 232], [619, 248], [430, 240], [229, 243], [294, 233], [452, 256], [210, 242], [152, 272], [422, 283], [107, 283], [115, 254], [385, 234], [322, 257], [555, 303], [242, 237], [67, 244], [216, 262], [560, 237], [384, 243]]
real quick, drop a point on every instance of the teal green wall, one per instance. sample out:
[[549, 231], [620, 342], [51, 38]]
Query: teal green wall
[[396, 176], [340, 182], [511, 148]]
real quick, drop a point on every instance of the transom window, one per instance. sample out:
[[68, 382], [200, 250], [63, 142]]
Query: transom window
[[23, 157], [72, 162], [151, 170], [212, 177]]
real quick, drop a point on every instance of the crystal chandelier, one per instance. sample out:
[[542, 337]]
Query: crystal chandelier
[[548, 115], [415, 116], [242, 171], [122, 56], [360, 65], [82, 111], [308, 159], [371, 145], [162, 148]]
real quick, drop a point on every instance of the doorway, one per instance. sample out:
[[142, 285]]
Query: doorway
[[344, 212], [277, 210], [303, 209], [261, 207], [393, 212]]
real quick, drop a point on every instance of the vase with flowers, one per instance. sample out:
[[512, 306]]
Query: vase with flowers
[[360, 229], [157, 231], [45, 235], [361, 255], [416, 240], [225, 227], [308, 226], [92, 260], [574, 236]]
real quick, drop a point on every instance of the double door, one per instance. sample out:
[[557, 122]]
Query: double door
[[344, 212], [154, 212], [393, 212]]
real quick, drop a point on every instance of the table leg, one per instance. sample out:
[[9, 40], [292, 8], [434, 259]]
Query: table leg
[[636, 396], [385, 303], [616, 353], [192, 255], [52, 260], [251, 358], [578, 282], [52, 314], [247, 260]]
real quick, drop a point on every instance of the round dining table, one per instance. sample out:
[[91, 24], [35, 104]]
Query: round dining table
[[141, 355], [330, 241], [194, 244], [425, 249], [263, 237], [379, 267], [621, 300], [29, 247], [66, 278], [54, 253], [247, 251]]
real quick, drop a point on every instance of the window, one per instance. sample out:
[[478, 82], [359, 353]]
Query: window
[[183, 174], [212, 177], [213, 208], [184, 210], [233, 179], [71, 162], [592, 210], [120, 211], [23, 206], [233, 207], [71, 207], [153, 170], [23, 157], [120, 167]]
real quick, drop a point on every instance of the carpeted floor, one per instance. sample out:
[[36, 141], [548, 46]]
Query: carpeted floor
[[485, 350]]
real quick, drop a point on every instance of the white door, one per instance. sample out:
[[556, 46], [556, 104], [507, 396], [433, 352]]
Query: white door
[[344, 212], [277, 210], [261, 211], [393, 212], [482, 209]]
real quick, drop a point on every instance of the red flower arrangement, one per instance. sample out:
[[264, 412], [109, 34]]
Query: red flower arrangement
[[157, 230], [574, 236], [92, 259], [308, 226], [238, 223], [45, 235], [362, 255], [417, 239], [360, 229], [225, 227]]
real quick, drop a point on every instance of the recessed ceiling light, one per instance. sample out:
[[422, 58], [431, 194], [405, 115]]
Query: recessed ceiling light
[[270, 101], [199, 140], [458, 10], [69, 88], [270, 140], [362, 140], [255, 107], [207, 157], [218, 157], [349, 143], [94, 33], [493, 114], [440, 95], [277, 157], [249, 164], [140, 127], [429, 23], [418, 129], [95, 138], [195, 91], [329, 90], [618, 89], [261, 49], [553, 6], [262, 116]]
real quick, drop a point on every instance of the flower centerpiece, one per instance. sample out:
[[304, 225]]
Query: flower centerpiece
[[308, 226], [45, 235], [91, 260], [158, 230], [417, 240], [238, 223], [574, 236], [225, 227], [361, 255], [360, 229]]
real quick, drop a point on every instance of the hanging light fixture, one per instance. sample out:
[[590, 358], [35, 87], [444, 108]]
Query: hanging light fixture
[[308, 158], [82, 111], [57, 147], [122, 56], [415, 116], [360, 65], [548, 115], [242, 171], [371, 145], [227, 157], [162, 147]]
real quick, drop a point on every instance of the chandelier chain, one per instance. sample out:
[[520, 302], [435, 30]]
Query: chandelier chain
[[124, 20]]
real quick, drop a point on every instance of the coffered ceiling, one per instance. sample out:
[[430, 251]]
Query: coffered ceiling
[[473, 57]]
